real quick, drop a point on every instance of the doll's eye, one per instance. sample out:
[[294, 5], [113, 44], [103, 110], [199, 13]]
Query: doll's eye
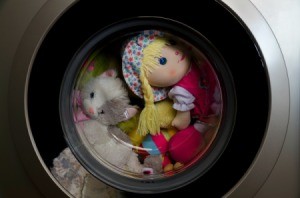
[[162, 61], [92, 95]]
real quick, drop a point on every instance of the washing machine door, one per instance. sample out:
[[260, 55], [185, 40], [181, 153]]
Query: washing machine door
[[245, 110]]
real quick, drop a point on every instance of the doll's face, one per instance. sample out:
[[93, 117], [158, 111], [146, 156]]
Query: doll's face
[[173, 65]]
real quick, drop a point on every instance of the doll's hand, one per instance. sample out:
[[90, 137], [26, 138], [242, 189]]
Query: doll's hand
[[182, 120]]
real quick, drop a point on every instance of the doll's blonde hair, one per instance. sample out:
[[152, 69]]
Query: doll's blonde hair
[[149, 118]]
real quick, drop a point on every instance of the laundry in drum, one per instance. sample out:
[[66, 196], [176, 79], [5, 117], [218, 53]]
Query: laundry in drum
[[153, 112]]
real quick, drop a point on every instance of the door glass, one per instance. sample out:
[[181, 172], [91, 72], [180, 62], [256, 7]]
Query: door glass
[[148, 104]]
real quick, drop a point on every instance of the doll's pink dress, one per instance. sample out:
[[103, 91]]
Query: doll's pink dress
[[195, 92]]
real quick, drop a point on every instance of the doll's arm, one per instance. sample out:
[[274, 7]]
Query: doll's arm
[[182, 120], [183, 103]]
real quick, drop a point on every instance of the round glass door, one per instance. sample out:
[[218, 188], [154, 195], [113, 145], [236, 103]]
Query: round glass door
[[147, 105], [114, 97]]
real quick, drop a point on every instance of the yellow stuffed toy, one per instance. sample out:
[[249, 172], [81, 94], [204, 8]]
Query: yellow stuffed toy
[[165, 113], [155, 146]]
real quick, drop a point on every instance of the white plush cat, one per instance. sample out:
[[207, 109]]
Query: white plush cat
[[105, 100]]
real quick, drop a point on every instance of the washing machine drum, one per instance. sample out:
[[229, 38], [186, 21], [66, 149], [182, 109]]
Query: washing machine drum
[[154, 104]]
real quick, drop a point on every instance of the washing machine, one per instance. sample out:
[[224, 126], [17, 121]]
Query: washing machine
[[253, 48]]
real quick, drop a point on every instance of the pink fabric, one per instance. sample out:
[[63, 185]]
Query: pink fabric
[[78, 114], [161, 142], [166, 161], [201, 83], [185, 145], [155, 145]]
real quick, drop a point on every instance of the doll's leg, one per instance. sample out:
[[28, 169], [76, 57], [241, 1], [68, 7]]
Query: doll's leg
[[167, 164], [185, 145], [202, 127]]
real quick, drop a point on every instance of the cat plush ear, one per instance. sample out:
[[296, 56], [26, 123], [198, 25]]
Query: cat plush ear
[[109, 73], [129, 113]]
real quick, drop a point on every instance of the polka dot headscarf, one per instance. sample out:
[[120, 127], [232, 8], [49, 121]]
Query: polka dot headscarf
[[131, 63]]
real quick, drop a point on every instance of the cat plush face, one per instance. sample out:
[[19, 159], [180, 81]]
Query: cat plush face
[[105, 99]]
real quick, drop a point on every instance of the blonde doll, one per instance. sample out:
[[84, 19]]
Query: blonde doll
[[154, 67]]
